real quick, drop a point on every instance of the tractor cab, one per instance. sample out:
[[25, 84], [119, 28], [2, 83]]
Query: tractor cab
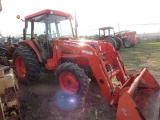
[[106, 31], [46, 26]]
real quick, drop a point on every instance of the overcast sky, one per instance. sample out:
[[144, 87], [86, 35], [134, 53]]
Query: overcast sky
[[91, 14]]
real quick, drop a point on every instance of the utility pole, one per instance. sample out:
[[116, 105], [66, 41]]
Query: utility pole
[[0, 6], [76, 26]]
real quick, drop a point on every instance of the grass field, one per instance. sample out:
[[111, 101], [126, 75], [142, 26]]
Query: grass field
[[144, 54]]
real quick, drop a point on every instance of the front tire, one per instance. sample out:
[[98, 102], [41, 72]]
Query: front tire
[[26, 64], [72, 79]]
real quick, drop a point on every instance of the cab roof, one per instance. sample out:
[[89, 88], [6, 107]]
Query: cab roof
[[48, 11], [105, 28]]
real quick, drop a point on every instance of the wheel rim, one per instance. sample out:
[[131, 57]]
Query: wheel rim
[[68, 82], [20, 67]]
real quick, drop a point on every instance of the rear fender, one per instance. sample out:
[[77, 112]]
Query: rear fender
[[33, 46]]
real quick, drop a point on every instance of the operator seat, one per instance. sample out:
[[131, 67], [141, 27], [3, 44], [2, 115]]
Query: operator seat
[[43, 44], [41, 51], [41, 37]]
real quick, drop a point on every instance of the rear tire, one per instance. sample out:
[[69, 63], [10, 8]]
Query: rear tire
[[119, 44], [26, 65], [111, 41], [72, 79]]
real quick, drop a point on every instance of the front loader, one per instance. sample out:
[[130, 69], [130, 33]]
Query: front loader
[[49, 43]]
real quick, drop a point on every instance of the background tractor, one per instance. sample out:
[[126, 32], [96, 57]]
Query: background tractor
[[108, 34], [49, 43]]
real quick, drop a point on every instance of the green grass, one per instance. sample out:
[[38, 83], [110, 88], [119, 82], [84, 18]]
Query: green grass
[[142, 55]]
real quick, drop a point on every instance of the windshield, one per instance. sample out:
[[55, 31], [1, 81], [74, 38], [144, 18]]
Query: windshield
[[50, 27], [59, 26], [109, 32]]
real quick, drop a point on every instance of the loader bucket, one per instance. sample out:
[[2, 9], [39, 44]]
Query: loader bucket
[[142, 100]]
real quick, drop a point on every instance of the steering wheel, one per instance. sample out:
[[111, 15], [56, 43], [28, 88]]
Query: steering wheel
[[3, 51]]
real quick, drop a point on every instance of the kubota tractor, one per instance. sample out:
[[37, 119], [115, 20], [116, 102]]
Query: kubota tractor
[[49, 43], [108, 34]]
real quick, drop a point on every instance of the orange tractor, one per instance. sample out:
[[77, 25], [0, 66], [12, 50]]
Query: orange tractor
[[49, 43]]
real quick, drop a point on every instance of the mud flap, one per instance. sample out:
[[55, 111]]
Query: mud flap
[[142, 100]]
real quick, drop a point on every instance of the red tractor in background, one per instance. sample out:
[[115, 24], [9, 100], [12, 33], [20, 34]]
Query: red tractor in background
[[128, 38], [49, 43]]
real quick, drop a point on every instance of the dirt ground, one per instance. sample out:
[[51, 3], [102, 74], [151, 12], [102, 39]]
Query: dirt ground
[[44, 101]]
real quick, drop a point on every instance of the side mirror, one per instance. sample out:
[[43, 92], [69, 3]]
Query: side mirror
[[0, 6]]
